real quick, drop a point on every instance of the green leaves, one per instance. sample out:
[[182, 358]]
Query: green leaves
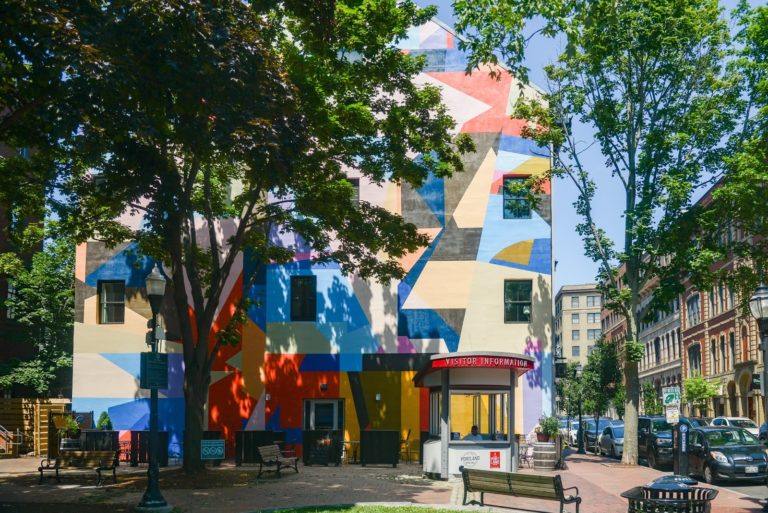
[[698, 391]]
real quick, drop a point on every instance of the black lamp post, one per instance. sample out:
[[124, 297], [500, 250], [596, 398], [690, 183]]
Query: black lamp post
[[153, 500], [580, 431]]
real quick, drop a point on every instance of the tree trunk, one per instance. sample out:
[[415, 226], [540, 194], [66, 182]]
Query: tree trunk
[[195, 398], [631, 408]]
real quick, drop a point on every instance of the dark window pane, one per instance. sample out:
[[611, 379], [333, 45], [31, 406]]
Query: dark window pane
[[112, 302], [517, 300], [303, 298], [516, 205]]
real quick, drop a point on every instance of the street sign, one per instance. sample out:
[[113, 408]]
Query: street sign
[[671, 396], [211, 449], [154, 371], [673, 414]]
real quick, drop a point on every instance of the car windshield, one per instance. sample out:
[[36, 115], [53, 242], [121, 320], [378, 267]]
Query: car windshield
[[730, 437], [618, 432], [697, 422], [590, 425], [563, 424], [743, 423], [660, 425]]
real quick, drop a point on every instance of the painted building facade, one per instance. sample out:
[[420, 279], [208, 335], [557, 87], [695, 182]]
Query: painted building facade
[[323, 350]]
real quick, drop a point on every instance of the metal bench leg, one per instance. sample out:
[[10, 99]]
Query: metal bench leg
[[482, 498], [278, 470], [57, 476], [261, 465], [464, 502], [114, 474], [98, 472]]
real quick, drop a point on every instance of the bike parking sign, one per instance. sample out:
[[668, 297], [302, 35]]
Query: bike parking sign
[[671, 396]]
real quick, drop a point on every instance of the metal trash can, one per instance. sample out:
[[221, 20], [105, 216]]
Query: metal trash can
[[670, 494]]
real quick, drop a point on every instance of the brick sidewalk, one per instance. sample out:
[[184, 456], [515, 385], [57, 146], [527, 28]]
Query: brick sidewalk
[[599, 480]]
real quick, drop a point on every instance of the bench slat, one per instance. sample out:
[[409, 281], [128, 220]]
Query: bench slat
[[515, 484]]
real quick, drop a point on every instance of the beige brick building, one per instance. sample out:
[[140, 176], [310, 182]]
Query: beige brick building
[[577, 321]]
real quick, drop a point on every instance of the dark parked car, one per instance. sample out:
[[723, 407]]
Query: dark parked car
[[654, 441], [726, 453]]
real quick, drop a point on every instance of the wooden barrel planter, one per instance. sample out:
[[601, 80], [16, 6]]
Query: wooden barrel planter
[[544, 455]]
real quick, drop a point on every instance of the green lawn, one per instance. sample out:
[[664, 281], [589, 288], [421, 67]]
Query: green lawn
[[365, 509]]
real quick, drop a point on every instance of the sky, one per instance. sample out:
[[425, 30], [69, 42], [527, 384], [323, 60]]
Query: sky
[[572, 267]]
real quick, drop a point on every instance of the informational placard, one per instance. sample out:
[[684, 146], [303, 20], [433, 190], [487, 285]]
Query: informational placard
[[154, 371], [211, 449], [673, 414], [671, 396]]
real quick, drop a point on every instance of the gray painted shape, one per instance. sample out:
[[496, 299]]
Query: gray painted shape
[[416, 210], [454, 317], [457, 244], [544, 208]]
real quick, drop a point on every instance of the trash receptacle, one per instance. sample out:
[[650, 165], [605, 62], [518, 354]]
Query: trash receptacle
[[670, 494]]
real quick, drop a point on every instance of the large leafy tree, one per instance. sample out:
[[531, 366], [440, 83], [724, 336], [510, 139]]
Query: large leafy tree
[[42, 306], [647, 79], [224, 123], [601, 378], [730, 224]]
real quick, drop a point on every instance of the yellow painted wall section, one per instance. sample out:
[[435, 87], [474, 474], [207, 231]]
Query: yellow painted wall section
[[351, 425], [409, 411], [385, 413]]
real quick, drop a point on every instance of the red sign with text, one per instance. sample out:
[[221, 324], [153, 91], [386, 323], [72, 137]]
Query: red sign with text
[[482, 362], [495, 459]]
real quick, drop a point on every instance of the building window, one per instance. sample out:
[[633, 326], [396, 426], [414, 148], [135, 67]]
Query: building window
[[713, 355], [303, 298], [593, 318], [111, 302], [593, 334], [574, 301], [693, 310], [10, 314], [516, 204], [575, 351], [694, 360], [517, 300], [575, 318], [593, 300], [723, 355], [575, 335], [590, 349], [355, 182]]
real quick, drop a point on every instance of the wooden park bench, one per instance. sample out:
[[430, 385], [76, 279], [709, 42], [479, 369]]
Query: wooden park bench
[[69, 460], [518, 485], [272, 456]]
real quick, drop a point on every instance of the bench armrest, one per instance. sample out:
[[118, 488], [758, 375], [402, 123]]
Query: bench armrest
[[289, 453], [572, 488], [49, 463]]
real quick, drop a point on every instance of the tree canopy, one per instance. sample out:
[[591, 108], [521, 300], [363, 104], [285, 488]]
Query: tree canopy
[[648, 80], [220, 125]]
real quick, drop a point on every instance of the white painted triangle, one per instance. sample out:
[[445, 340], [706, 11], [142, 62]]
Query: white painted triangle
[[470, 212], [461, 106]]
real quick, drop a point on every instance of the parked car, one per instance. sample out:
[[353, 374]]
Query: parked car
[[573, 433], [565, 424], [718, 453], [611, 441], [654, 440], [739, 422], [591, 433], [763, 432], [698, 421]]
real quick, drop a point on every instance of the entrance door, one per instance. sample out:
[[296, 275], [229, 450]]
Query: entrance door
[[323, 415]]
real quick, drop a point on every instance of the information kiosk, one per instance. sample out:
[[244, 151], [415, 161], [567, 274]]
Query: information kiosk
[[466, 390]]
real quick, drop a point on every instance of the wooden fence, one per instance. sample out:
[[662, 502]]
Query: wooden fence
[[30, 417]]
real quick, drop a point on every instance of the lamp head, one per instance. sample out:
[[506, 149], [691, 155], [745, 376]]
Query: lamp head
[[155, 283], [758, 303]]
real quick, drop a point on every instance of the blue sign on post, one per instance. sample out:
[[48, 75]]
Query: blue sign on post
[[211, 449]]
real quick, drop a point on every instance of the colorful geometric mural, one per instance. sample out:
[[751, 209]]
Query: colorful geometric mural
[[369, 339]]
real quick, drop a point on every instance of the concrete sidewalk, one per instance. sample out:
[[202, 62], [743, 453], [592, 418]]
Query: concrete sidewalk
[[600, 482]]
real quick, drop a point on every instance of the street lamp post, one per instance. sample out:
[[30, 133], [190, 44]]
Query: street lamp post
[[758, 305], [580, 431], [153, 501]]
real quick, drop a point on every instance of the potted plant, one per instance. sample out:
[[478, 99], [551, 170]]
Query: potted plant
[[69, 432], [549, 428]]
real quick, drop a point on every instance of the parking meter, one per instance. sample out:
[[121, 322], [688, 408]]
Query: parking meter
[[681, 449]]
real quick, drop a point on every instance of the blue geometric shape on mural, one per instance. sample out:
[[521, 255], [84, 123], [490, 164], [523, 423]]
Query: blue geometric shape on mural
[[437, 40], [417, 324], [131, 363], [507, 161], [433, 193], [127, 265], [319, 362], [415, 272], [351, 362], [498, 233], [257, 311], [273, 423], [441, 60], [513, 144], [540, 261]]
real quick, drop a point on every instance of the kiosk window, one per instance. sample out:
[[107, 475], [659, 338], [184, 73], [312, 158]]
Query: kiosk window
[[489, 411]]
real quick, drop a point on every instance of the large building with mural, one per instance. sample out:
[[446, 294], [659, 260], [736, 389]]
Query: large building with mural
[[323, 350]]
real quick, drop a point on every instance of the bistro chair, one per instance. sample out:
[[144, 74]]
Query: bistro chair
[[405, 447]]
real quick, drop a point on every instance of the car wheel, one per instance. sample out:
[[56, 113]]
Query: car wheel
[[652, 459], [709, 476]]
